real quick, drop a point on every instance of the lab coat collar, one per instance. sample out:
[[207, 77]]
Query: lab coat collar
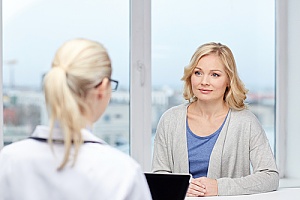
[[44, 131]]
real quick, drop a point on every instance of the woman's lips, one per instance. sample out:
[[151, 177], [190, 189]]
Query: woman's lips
[[205, 91]]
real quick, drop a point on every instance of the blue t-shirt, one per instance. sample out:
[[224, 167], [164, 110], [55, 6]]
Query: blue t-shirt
[[199, 151]]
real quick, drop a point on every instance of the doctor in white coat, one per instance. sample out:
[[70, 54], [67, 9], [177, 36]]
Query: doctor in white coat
[[65, 160]]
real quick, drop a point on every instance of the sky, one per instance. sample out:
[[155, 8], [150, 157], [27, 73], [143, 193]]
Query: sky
[[34, 29]]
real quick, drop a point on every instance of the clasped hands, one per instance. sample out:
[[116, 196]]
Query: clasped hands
[[203, 186]]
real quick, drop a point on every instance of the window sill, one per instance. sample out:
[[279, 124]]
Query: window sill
[[289, 182]]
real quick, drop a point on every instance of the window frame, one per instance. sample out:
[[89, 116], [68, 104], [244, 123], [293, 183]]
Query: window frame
[[1, 88], [281, 37], [140, 82]]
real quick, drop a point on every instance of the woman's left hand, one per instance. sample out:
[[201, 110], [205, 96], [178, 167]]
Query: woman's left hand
[[211, 186]]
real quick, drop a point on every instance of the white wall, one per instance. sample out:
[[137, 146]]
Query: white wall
[[293, 90], [288, 90]]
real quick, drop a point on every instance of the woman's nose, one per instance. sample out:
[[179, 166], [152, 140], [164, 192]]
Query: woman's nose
[[205, 80]]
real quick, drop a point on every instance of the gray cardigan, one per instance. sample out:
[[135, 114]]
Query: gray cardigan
[[241, 142]]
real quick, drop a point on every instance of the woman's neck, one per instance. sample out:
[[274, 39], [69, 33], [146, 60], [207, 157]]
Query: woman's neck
[[209, 110]]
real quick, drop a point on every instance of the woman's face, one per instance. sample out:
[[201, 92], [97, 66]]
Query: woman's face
[[209, 79]]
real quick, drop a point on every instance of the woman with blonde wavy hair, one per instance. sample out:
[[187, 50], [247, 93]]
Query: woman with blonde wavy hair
[[65, 160], [213, 136]]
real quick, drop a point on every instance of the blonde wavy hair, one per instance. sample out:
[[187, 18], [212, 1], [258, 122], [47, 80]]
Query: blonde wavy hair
[[78, 66], [235, 93]]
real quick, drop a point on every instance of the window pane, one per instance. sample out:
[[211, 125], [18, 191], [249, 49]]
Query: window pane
[[32, 32], [247, 27]]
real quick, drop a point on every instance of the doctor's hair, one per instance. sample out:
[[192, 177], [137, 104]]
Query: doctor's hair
[[235, 93], [78, 66]]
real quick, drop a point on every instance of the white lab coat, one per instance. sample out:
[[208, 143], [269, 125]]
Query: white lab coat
[[28, 171]]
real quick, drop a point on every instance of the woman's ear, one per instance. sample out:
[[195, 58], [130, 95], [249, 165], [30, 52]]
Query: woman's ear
[[102, 88]]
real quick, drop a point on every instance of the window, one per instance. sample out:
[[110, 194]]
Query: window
[[33, 30]]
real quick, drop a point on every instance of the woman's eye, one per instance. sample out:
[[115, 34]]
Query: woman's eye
[[215, 75], [197, 73]]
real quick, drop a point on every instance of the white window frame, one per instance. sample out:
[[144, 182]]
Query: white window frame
[[140, 82], [281, 80], [1, 75]]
